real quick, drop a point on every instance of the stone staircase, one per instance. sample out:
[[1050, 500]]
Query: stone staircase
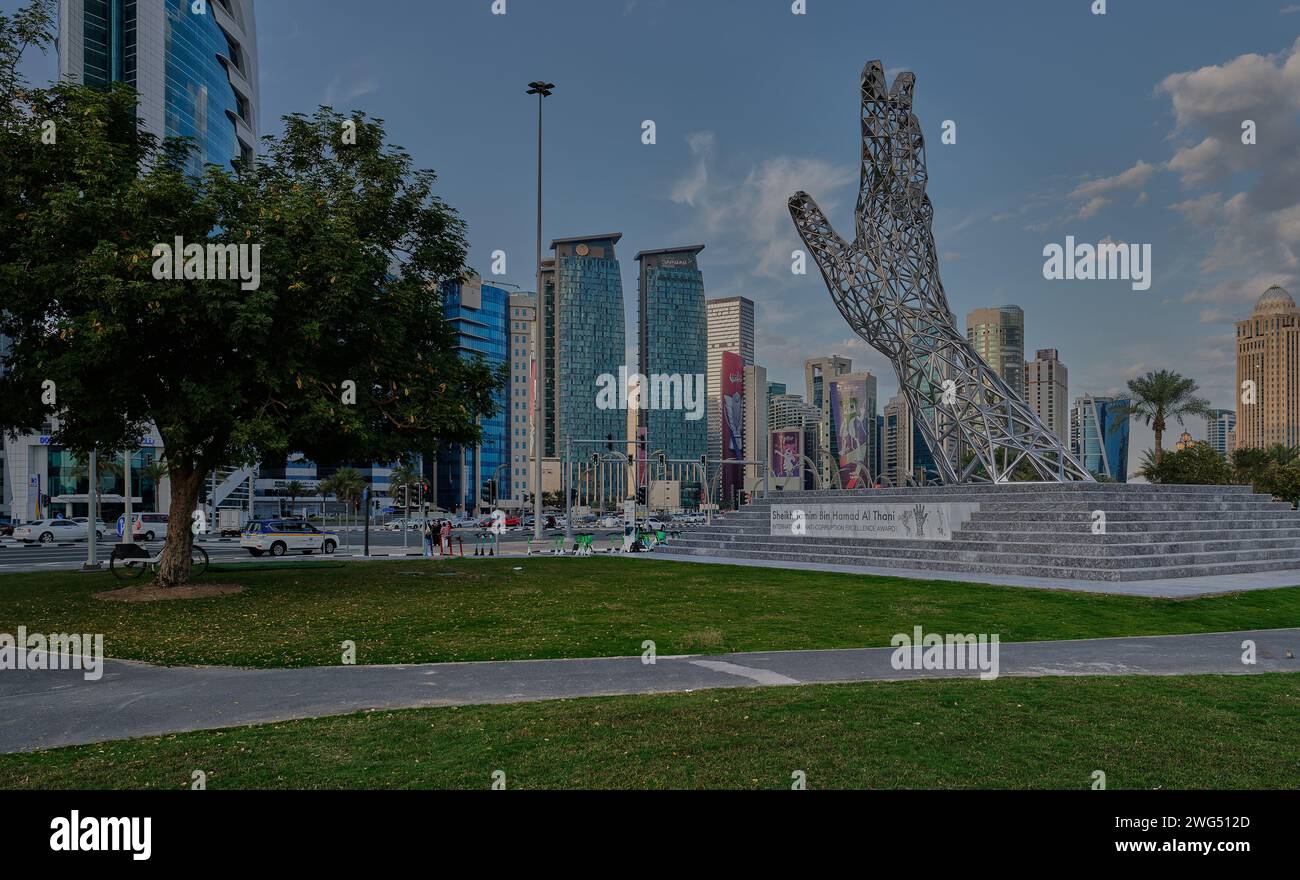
[[1037, 530]]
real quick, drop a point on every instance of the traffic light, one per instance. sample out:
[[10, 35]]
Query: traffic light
[[640, 495], [595, 458], [663, 459]]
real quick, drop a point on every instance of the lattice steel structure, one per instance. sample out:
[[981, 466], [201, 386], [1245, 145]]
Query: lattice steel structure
[[886, 284]]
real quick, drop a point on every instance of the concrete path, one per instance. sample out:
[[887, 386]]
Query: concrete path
[[54, 708], [1160, 588]]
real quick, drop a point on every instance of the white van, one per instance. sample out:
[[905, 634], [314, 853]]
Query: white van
[[149, 526]]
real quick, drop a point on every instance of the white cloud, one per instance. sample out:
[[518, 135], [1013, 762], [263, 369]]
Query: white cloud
[[1092, 206], [1132, 178], [747, 220]]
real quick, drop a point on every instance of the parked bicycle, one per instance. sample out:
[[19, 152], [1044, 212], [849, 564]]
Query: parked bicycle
[[131, 561]]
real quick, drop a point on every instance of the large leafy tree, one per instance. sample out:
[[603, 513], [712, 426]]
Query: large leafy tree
[[353, 244], [1199, 464], [1162, 395]]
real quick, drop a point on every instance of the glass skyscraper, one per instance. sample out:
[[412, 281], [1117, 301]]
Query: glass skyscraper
[[1099, 436], [195, 72], [672, 341], [468, 475], [582, 298]]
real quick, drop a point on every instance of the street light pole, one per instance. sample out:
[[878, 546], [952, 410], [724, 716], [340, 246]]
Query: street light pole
[[92, 510], [542, 90]]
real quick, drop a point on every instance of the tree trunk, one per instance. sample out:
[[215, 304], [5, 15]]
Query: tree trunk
[[1158, 426], [174, 569]]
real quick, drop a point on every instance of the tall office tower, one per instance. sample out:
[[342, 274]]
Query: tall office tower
[[1221, 430], [817, 373], [672, 339], [999, 338], [1047, 391], [519, 418], [582, 311], [469, 476], [1099, 436], [896, 442], [731, 328], [905, 457], [195, 72], [1268, 373], [756, 423], [787, 411], [878, 469], [851, 438]]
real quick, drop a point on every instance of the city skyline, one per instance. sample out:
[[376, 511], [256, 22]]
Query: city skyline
[[1160, 171]]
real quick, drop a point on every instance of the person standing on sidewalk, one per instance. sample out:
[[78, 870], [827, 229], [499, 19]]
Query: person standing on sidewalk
[[427, 535]]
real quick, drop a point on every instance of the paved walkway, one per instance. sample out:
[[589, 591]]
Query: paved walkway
[[1163, 588], [53, 708]]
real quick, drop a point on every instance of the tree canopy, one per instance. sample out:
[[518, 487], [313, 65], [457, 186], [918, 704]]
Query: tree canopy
[[336, 346]]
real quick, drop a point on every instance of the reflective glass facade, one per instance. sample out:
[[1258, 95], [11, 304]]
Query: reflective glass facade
[[583, 311], [480, 314], [69, 478], [199, 94], [673, 340], [1099, 435], [108, 53], [195, 73]]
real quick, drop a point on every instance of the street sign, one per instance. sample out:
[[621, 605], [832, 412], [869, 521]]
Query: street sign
[[121, 525]]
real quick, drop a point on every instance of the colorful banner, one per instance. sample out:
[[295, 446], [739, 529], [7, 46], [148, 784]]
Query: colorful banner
[[852, 424], [787, 447], [733, 420]]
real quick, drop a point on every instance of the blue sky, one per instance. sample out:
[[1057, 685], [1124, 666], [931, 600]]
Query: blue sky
[[1124, 126]]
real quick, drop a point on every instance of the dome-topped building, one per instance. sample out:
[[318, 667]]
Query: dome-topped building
[[1268, 372], [1274, 301]]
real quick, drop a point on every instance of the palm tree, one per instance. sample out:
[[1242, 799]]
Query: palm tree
[[346, 485], [294, 488], [154, 471], [1159, 396], [1283, 454]]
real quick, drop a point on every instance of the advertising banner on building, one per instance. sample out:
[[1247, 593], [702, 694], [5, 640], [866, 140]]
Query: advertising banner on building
[[787, 447], [852, 423], [733, 420]]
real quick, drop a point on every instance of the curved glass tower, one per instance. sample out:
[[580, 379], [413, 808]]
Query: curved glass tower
[[195, 71]]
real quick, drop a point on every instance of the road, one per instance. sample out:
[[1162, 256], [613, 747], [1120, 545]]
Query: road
[[46, 708], [18, 557]]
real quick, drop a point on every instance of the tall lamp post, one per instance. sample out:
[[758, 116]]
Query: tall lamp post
[[541, 90]]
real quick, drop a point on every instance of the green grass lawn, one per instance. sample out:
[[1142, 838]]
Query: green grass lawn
[[415, 610], [1182, 732]]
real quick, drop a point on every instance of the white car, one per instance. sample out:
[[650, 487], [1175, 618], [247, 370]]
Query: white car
[[279, 536], [100, 529], [47, 531]]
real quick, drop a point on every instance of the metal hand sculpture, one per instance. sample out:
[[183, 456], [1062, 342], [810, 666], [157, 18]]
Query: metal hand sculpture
[[886, 284]]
